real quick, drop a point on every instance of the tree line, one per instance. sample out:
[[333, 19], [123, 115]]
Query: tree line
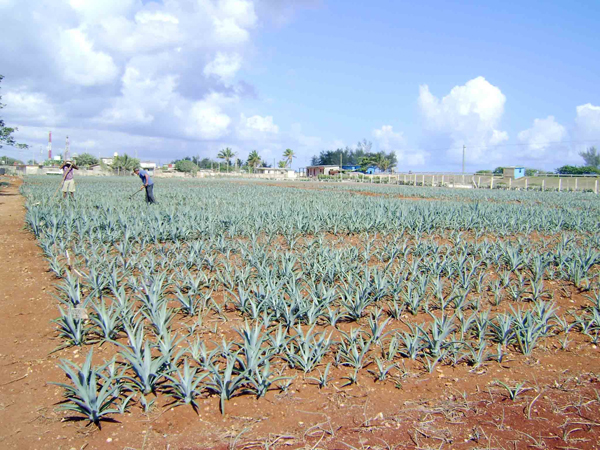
[[192, 164], [361, 156]]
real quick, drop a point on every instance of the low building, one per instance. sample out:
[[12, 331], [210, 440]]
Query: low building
[[315, 171], [277, 171], [148, 166], [108, 160], [513, 172]]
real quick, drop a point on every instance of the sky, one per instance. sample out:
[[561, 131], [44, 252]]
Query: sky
[[516, 82]]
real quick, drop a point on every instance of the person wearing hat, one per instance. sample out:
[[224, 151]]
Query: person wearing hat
[[68, 184], [148, 184]]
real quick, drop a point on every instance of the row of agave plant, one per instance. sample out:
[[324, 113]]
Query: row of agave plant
[[145, 281], [190, 210]]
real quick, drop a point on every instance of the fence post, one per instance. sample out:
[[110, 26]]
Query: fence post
[[478, 181], [432, 180], [509, 184], [492, 182], [543, 184], [463, 179], [526, 180], [442, 180], [559, 184], [596, 187], [576, 180]]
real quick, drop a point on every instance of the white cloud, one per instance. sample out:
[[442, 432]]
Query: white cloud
[[256, 127], [81, 63], [224, 66], [587, 122], [95, 10], [143, 95], [388, 139], [205, 119], [152, 17], [32, 106], [542, 136], [470, 114], [391, 141], [135, 70]]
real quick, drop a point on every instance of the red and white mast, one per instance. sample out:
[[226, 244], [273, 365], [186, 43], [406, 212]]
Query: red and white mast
[[50, 145]]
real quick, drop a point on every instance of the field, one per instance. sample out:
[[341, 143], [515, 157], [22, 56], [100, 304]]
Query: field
[[309, 315]]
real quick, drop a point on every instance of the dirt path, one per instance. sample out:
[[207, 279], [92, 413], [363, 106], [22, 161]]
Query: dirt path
[[26, 309]]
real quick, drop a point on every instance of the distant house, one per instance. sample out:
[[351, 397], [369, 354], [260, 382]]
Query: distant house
[[148, 166], [513, 172], [372, 170], [357, 168], [286, 172], [315, 171], [108, 160]]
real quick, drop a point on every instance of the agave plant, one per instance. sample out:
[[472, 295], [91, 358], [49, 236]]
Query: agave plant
[[148, 370], [90, 394], [184, 384], [225, 383]]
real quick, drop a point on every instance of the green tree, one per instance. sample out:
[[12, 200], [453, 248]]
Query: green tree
[[380, 160], [185, 165], [591, 157], [7, 160], [227, 154], [6, 137], [125, 163], [578, 170], [289, 156], [282, 164], [498, 171], [254, 159], [362, 156], [529, 172], [86, 160]]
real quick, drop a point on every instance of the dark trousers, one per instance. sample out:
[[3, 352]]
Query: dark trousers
[[150, 194]]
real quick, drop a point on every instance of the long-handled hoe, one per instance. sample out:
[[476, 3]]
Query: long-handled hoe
[[61, 183], [132, 195]]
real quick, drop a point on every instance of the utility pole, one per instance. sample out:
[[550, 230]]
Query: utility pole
[[50, 145], [67, 155], [463, 165]]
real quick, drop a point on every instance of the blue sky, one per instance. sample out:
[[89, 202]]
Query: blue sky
[[514, 81]]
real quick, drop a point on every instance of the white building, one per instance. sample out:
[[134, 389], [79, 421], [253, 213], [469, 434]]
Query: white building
[[276, 171], [148, 166]]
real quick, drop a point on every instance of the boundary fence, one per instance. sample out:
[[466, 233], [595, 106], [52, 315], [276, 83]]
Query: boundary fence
[[558, 183]]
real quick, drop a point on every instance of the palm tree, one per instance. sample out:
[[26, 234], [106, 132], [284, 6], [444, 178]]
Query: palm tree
[[282, 164], [289, 155], [254, 159], [125, 162], [227, 154]]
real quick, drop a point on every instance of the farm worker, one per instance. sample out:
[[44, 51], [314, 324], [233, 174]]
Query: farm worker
[[148, 184], [68, 184]]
